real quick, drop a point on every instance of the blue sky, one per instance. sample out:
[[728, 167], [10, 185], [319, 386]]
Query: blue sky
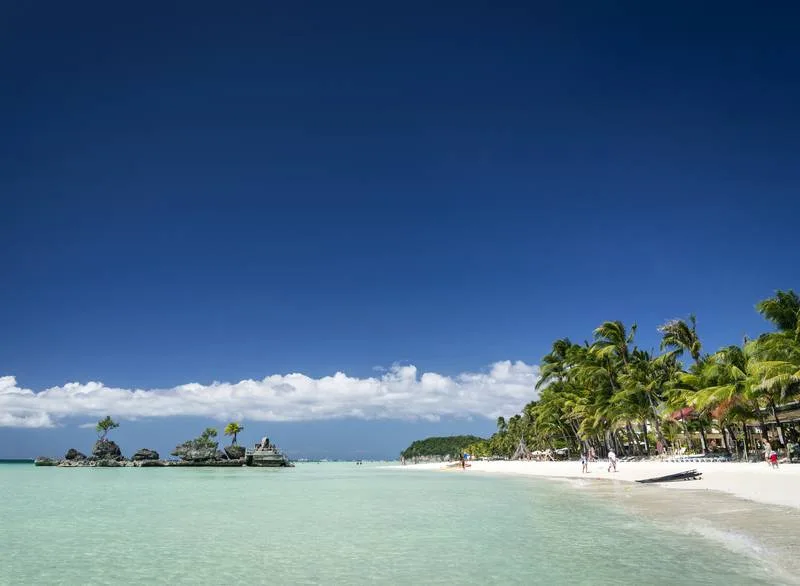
[[203, 193]]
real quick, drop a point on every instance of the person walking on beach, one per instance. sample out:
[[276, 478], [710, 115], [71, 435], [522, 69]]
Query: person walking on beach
[[584, 462], [773, 459], [612, 461]]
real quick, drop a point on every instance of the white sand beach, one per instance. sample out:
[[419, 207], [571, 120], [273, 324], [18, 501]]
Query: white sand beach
[[757, 481]]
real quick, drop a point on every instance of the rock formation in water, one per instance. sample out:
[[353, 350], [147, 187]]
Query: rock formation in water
[[196, 451], [74, 455], [151, 463], [234, 452], [45, 461], [201, 451], [144, 454], [105, 449]]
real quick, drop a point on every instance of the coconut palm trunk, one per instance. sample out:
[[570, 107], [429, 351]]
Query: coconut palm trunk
[[644, 436], [632, 438], [703, 444], [778, 423]]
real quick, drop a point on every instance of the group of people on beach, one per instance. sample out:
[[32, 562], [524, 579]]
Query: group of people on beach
[[589, 456]]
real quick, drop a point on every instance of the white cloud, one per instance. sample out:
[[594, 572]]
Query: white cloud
[[399, 393]]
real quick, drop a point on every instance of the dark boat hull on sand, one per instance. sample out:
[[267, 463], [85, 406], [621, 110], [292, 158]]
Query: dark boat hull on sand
[[688, 475]]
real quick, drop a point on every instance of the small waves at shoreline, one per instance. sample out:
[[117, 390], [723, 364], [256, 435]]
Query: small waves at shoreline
[[762, 533]]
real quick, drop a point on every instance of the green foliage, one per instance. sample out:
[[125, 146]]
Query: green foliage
[[440, 446], [233, 429], [609, 394], [204, 443], [783, 310], [104, 426], [679, 336]]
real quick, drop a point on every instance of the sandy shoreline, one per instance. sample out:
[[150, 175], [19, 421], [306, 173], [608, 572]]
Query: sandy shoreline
[[756, 482]]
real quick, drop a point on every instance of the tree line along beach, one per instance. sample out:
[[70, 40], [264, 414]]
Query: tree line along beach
[[732, 414]]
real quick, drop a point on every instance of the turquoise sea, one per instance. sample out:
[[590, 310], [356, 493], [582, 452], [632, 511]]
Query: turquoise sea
[[338, 523]]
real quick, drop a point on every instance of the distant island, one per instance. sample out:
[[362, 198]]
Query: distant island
[[438, 448]]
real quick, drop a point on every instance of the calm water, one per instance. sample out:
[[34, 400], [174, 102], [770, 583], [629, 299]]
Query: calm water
[[335, 524]]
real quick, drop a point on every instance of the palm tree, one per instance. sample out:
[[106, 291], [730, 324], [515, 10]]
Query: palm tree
[[645, 381], [612, 340], [501, 424], [746, 375], [607, 393], [775, 369], [555, 364], [233, 429], [677, 335], [680, 337], [783, 310], [608, 358]]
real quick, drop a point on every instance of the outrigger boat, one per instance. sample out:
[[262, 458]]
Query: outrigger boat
[[688, 475]]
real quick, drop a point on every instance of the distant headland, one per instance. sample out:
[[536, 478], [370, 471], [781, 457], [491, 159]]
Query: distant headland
[[437, 449]]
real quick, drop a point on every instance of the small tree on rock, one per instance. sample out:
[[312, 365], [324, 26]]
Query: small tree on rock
[[233, 429], [104, 426]]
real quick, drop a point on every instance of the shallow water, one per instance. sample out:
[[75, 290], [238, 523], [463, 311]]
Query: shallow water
[[338, 524]]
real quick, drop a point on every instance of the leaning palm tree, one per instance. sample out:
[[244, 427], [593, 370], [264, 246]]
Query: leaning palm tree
[[682, 337], [612, 340], [501, 424], [748, 375], [776, 372], [233, 429], [783, 310], [555, 364]]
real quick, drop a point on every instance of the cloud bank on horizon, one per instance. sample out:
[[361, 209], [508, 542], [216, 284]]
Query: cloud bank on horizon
[[399, 393]]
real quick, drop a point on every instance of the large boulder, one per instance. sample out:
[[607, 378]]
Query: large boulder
[[234, 452], [144, 454], [74, 455], [106, 450], [196, 451]]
